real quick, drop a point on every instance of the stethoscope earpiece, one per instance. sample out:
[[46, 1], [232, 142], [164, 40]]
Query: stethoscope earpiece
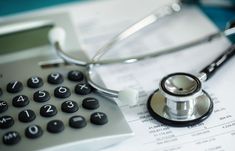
[[57, 34]]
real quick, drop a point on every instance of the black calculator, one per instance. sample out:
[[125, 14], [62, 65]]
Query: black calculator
[[46, 104]]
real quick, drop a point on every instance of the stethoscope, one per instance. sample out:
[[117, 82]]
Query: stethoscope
[[180, 100]]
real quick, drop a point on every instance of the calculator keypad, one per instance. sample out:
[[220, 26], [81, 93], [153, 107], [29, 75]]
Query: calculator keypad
[[40, 96]]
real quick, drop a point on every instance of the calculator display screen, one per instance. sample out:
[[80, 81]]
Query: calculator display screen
[[22, 40]]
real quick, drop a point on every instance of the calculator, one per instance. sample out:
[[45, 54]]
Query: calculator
[[46, 104]]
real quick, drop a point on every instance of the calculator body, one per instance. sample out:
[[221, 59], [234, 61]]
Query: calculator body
[[33, 62]]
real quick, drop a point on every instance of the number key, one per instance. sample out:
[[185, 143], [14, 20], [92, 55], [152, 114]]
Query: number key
[[20, 101], [26, 116], [35, 82], [69, 106], [33, 131], [48, 110], [41, 96], [14, 87], [62, 92], [55, 78]]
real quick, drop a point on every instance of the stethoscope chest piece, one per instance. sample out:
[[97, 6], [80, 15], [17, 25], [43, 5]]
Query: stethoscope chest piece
[[180, 101]]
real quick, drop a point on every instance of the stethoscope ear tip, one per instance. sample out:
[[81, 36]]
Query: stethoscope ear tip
[[128, 96], [57, 34]]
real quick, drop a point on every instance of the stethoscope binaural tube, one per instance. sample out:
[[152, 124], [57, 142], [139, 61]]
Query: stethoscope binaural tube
[[180, 100]]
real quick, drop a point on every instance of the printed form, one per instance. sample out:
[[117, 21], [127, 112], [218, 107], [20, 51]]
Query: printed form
[[96, 24]]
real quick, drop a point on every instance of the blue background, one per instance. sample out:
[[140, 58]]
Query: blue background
[[7, 7]]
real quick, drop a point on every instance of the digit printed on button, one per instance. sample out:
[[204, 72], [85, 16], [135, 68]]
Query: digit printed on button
[[62, 92], [33, 131], [41, 96], [14, 87], [55, 78], [35, 82]]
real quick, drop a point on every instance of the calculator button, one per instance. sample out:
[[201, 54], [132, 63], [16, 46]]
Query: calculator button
[[26, 116], [55, 78], [83, 89], [55, 126], [14, 87], [41, 96], [90, 103], [62, 92], [77, 121], [20, 101], [33, 131], [6, 122], [75, 75], [69, 106], [35, 82], [11, 138], [3, 106], [99, 118], [48, 110]]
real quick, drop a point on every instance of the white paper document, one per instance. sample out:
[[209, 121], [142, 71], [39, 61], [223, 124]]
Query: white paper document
[[96, 27]]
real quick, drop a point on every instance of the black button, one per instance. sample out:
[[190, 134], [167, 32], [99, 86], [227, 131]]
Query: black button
[[55, 126], [55, 78], [3, 106], [75, 75], [62, 92], [69, 106], [0, 92], [90, 103], [14, 87], [41, 96], [20, 101], [99, 118], [48, 110], [35, 82], [6, 122], [33, 131], [11, 138], [83, 88], [26, 116], [77, 121]]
